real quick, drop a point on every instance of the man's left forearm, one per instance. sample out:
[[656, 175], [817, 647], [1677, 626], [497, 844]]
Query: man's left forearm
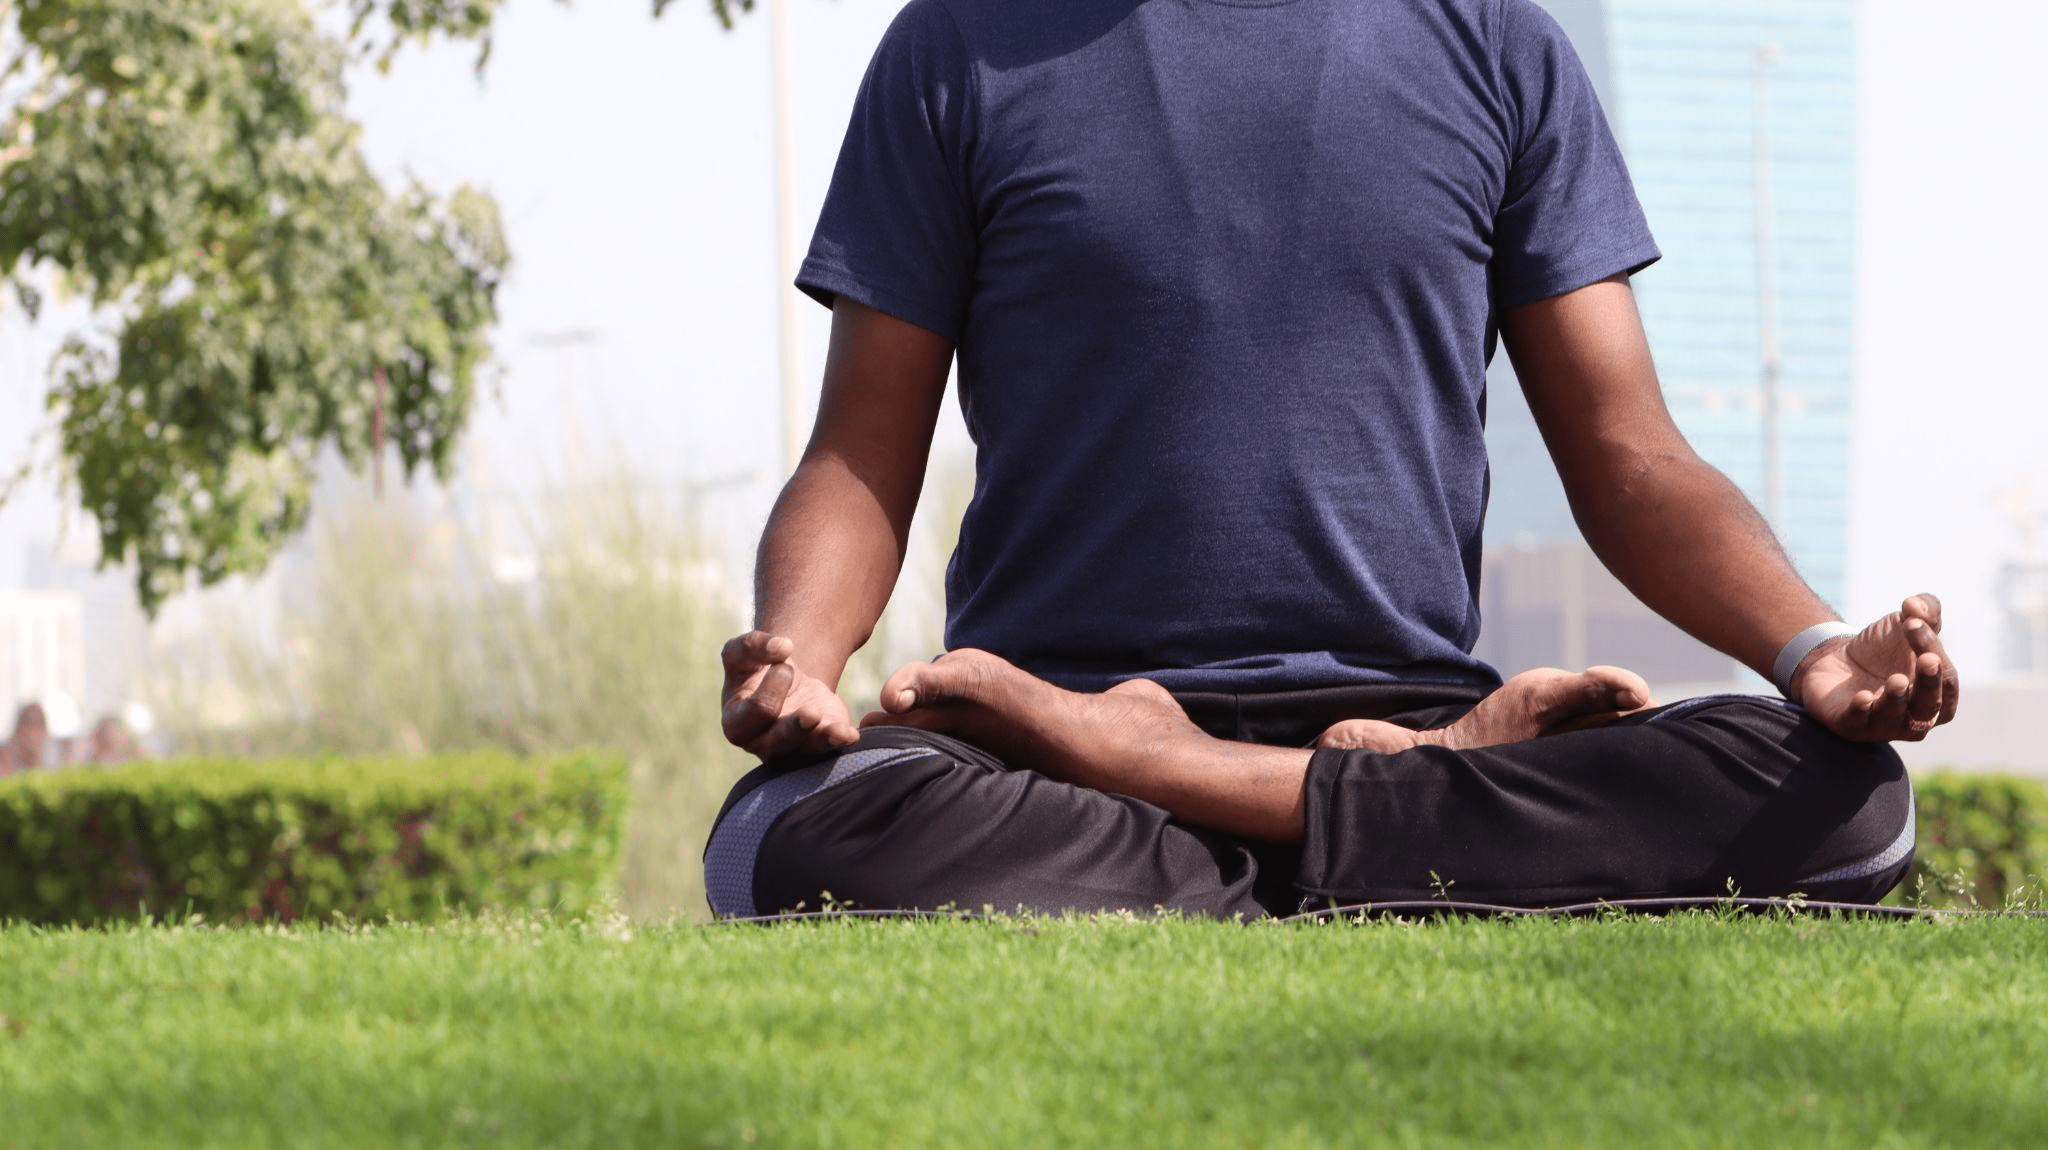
[[1692, 547], [1673, 529], [1689, 544]]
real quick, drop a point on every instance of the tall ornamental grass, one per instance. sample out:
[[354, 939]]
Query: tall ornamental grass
[[591, 617], [402, 631]]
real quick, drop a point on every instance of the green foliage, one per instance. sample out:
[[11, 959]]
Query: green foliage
[[382, 27], [1983, 840], [285, 840], [187, 166], [420, 21], [1683, 1032], [721, 9]]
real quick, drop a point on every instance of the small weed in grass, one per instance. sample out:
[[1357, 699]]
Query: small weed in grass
[[1692, 1030]]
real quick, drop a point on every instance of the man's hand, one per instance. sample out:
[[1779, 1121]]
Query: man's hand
[[1891, 681], [772, 708], [835, 541]]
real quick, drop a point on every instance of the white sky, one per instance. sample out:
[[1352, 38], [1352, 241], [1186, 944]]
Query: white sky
[[1952, 404], [632, 160]]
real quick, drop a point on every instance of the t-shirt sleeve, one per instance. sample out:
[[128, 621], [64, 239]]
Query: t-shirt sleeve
[[1570, 215], [897, 231]]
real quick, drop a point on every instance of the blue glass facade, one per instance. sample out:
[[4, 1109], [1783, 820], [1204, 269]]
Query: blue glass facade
[[1678, 78]]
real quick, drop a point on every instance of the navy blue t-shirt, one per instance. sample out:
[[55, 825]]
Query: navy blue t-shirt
[[1223, 279]]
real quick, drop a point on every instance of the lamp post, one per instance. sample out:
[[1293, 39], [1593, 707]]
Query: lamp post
[[791, 349], [567, 385], [1767, 287]]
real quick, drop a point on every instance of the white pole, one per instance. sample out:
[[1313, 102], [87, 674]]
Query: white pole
[[785, 237], [1767, 291]]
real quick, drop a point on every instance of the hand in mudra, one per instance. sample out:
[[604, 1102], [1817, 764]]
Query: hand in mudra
[[1890, 681], [770, 707]]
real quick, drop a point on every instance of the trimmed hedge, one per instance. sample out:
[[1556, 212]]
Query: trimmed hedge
[[1983, 841], [279, 840], [289, 839]]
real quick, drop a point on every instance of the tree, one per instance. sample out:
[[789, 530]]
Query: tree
[[186, 166], [422, 20]]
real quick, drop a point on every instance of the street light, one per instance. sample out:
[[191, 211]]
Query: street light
[[1767, 287], [785, 235], [566, 342]]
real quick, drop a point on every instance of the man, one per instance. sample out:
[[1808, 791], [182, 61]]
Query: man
[[1223, 279]]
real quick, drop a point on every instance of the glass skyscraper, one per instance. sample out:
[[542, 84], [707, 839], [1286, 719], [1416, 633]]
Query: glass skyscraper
[[1692, 87]]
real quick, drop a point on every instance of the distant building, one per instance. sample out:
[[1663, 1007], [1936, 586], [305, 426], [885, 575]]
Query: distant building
[[1679, 80], [1555, 605], [42, 650], [2021, 589], [2022, 593]]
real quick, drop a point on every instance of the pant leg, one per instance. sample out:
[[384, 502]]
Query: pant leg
[[1682, 801], [913, 820]]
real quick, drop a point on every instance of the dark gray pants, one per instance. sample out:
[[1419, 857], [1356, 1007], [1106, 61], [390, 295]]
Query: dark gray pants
[[1697, 798]]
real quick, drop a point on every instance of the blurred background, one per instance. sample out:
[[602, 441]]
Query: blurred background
[[1846, 195]]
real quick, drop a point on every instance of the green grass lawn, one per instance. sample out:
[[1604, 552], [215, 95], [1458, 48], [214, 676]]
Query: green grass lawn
[[1693, 1030]]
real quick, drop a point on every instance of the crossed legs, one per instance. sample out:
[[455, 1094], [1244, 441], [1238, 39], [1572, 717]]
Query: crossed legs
[[1125, 803], [1135, 740]]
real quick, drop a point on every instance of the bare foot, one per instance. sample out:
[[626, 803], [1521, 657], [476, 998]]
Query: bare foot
[[1530, 705], [1132, 739], [1013, 714]]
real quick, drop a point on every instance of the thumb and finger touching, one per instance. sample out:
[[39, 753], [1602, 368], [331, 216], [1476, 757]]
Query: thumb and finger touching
[[745, 654], [1927, 696], [1925, 606], [771, 707], [1934, 673], [1894, 680], [749, 713]]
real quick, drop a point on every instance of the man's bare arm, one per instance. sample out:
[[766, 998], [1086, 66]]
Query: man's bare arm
[[834, 544], [1685, 540], [1639, 492]]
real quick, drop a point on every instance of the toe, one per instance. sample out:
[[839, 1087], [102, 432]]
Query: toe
[[1615, 689], [1550, 695], [1368, 735], [966, 675], [1145, 689]]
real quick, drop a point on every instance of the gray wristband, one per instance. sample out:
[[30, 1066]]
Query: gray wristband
[[1802, 645]]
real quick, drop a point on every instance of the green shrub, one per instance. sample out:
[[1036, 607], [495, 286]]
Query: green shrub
[[280, 840], [1983, 840]]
